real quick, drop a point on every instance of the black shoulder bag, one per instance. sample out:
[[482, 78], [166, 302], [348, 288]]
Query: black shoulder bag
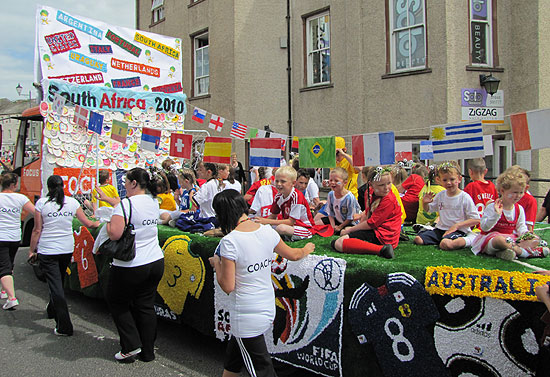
[[124, 248]]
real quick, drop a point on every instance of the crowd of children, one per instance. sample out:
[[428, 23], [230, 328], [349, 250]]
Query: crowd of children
[[492, 220]]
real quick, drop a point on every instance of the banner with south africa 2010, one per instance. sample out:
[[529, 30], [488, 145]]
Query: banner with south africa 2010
[[307, 329]]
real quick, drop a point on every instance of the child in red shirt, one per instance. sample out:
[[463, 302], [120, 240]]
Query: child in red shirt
[[411, 188], [378, 230], [527, 201], [481, 190], [263, 181]]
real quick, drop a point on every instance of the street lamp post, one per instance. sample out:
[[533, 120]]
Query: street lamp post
[[19, 89]]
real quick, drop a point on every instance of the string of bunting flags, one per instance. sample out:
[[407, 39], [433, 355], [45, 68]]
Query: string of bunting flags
[[446, 142]]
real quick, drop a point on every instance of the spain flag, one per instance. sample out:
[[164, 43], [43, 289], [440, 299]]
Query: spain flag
[[217, 150]]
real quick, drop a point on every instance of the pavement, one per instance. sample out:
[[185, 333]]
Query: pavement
[[28, 346]]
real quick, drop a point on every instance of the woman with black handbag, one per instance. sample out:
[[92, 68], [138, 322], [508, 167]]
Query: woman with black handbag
[[52, 238], [133, 284]]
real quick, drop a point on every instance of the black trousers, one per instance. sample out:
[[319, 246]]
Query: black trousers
[[8, 249], [131, 296], [250, 352], [54, 268]]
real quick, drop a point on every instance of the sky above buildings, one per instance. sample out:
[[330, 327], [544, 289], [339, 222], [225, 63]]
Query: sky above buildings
[[18, 21]]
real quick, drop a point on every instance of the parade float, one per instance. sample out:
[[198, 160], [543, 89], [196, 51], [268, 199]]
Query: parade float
[[113, 100]]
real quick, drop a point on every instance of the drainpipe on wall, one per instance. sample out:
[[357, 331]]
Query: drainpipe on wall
[[289, 74]]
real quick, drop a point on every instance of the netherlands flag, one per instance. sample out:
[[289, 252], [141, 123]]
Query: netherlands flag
[[457, 141], [150, 139], [198, 115], [265, 152], [373, 149]]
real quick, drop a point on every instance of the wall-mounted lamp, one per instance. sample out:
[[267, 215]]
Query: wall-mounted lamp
[[490, 83]]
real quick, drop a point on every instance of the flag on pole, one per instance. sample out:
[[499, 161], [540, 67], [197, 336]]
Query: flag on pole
[[217, 150], [456, 141], [426, 150], [150, 139], [198, 115], [403, 151], [216, 122], [180, 145], [80, 116], [317, 152], [265, 152], [238, 130], [530, 129], [373, 149], [119, 131], [96, 122], [58, 103]]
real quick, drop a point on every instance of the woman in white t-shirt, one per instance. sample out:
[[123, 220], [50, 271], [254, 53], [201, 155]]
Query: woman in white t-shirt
[[243, 270], [11, 204], [133, 284], [52, 239]]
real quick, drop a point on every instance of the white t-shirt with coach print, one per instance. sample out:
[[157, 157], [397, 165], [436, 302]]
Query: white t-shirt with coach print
[[10, 215], [252, 303], [145, 217], [57, 226]]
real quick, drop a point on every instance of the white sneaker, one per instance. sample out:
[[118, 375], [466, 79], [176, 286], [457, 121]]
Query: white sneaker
[[127, 357], [3, 295], [10, 304]]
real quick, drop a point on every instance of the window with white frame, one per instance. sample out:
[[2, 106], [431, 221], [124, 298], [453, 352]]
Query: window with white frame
[[157, 7], [481, 32], [202, 65], [318, 49], [408, 34]]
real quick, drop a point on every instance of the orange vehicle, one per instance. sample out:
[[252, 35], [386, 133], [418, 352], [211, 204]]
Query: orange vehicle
[[28, 170]]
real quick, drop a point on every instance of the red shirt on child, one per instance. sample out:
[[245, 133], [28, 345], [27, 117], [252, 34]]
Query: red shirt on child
[[386, 219], [413, 184], [294, 206], [481, 193], [529, 204]]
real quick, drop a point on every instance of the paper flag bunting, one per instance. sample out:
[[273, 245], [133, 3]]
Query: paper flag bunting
[[150, 139], [454, 141], [373, 149], [217, 150], [216, 122], [181, 145], [119, 131], [265, 152], [96, 122], [530, 130]]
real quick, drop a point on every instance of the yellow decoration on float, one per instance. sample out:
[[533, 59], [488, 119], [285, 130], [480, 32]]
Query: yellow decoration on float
[[506, 285]]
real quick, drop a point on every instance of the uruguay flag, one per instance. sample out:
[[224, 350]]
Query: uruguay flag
[[373, 149], [150, 139], [457, 141], [198, 115], [265, 152]]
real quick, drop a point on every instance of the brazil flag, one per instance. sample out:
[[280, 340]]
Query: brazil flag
[[317, 152]]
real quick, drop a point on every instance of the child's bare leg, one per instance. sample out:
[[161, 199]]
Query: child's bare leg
[[418, 241], [285, 230], [338, 244], [318, 218], [448, 244]]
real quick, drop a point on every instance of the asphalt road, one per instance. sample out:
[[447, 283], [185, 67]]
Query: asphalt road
[[28, 346]]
